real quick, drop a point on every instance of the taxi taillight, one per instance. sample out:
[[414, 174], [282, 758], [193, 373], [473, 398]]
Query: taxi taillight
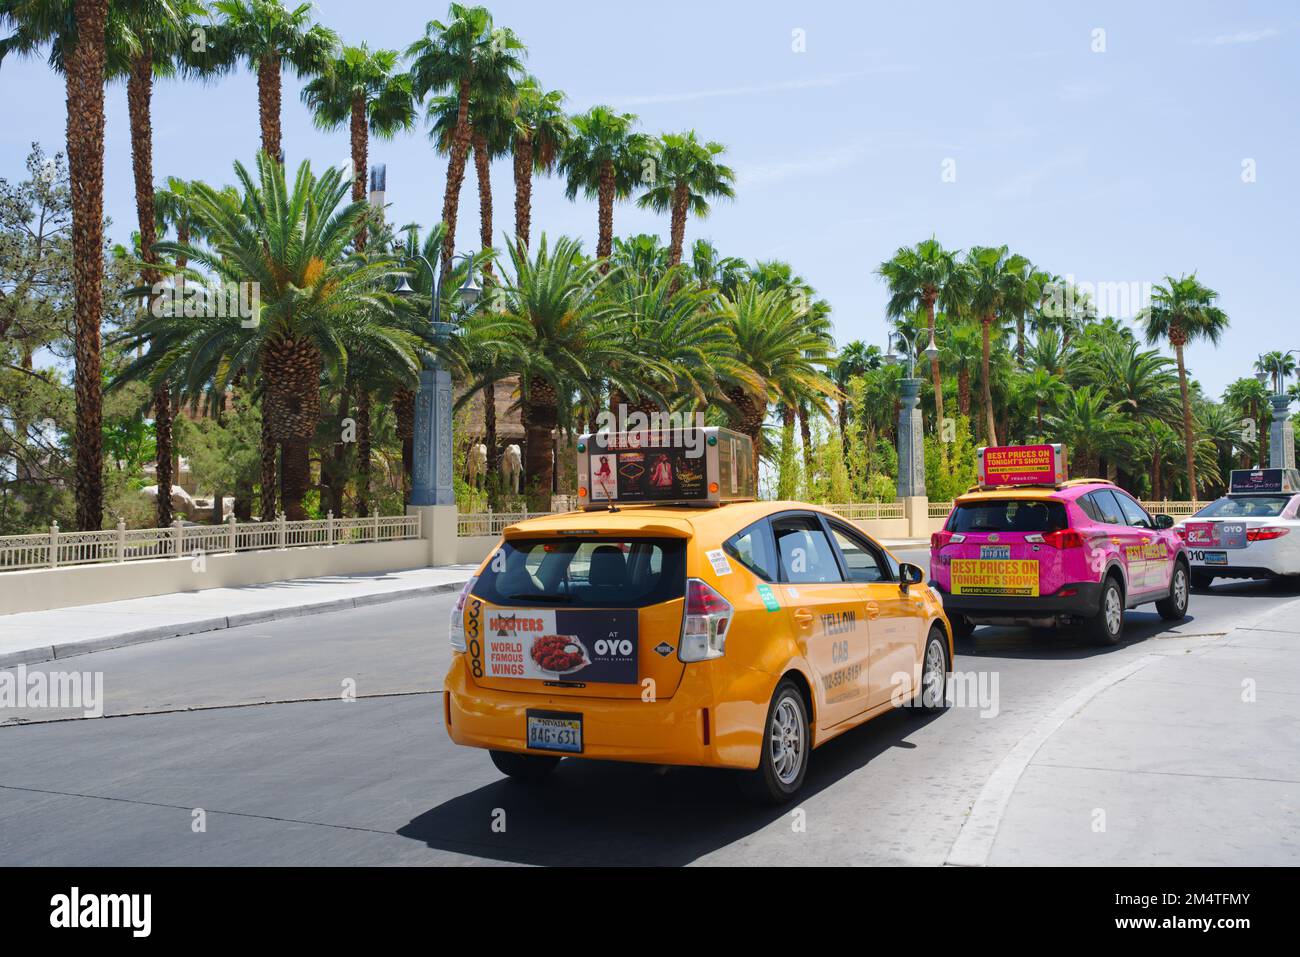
[[456, 631], [1265, 533], [704, 623]]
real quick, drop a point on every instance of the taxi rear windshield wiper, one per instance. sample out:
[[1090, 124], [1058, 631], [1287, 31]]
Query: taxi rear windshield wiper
[[539, 596]]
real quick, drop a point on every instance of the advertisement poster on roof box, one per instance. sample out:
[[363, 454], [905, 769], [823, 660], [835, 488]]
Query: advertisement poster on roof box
[[647, 475], [559, 645]]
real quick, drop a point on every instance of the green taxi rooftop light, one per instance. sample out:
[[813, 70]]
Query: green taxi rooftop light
[[582, 446], [713, 440]]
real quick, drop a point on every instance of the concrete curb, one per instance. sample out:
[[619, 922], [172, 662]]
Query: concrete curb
[[43, 653]]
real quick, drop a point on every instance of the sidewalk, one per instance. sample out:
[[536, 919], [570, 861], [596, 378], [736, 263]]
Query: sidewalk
[[1185, 757], [36, 636]]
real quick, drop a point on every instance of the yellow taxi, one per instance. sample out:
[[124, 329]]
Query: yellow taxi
[[689, 630]]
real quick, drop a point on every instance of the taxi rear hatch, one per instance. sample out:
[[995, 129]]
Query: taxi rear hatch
[[1005, 545], [581, 608]]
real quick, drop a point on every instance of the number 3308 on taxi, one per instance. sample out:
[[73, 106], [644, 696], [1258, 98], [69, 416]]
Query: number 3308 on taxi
[[687, 629]]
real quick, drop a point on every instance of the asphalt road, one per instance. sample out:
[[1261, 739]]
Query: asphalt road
[[246, 732]]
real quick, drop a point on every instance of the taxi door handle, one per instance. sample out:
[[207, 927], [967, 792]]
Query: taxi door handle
[[804, 617], [873, 610]]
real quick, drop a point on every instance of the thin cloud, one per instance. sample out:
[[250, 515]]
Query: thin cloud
[[812, 83], [1241, 36]]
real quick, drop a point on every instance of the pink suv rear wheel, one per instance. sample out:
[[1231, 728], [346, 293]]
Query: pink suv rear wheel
[[1107, 626]]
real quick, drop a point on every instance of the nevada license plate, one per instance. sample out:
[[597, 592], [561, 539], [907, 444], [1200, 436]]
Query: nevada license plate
[[1216, 558], [555, 731], [988, 552]]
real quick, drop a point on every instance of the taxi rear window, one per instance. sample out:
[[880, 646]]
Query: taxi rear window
[[1250, 506], [590, 572], [1008, 515]]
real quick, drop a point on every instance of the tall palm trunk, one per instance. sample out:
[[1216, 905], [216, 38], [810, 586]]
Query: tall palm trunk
[[139, 94], [483, 173], [523, 189], [460, 142], [937, 380], [84, 71], [986, 391], [1178, 339], [360, 158], [751, 414], [805, 436], [605, 214], [842, 411], [963, 391], [404, 413], [540, 419], [490, 427], [268, 104], [335, 478], [677, 224], [270, 470], [363, 452]]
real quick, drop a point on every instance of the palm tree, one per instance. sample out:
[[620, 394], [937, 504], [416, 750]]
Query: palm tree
[[687, 175], [291, 241], [1182, 311], [266, 35], [963, 352], [604, 160], [541, 134], [76, 34], [1089, 425], [1040, 389], [920, 277], [149, 40], [360, 87], [995, 287], [1248, 397], [713, 270], [853, 360], [572, 341], [786, 355], [455, 58]]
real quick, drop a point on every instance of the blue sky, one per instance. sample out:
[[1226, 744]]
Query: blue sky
[[1115, 167]]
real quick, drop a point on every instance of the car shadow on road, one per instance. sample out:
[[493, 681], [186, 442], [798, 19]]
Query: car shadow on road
[[608, 813]]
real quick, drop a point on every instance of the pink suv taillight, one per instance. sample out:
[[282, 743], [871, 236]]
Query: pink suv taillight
[[704, 624], [1064, 538]]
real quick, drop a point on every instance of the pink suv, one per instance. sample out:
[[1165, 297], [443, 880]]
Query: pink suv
[[1076, 553]]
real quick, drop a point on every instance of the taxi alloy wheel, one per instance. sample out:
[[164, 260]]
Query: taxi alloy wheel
[[1107, 626], [787, 741], [1174, 608], [934, 674]]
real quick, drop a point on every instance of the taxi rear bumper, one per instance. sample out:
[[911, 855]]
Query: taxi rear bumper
[[691, 728], [1084, 602]]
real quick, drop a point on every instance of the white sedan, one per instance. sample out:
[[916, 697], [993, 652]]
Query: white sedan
[[1252, 535]]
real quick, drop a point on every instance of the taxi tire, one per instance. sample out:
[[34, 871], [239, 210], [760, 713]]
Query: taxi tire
[[524, 767], [1170, 608], [1200, 581], [1100, 628], [936, 637], [762, 785]]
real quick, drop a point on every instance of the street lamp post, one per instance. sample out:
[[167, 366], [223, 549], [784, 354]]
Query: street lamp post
[[1281, 434], [432, 469], [911, 435]]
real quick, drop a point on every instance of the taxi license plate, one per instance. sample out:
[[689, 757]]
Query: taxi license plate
[[995, 551], [1211, 558], [555, 731], [976, 576]]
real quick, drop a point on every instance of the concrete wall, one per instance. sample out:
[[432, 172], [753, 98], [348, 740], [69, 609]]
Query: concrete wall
[[39, 589]]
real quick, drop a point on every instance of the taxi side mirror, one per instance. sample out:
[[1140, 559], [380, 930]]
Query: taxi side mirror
[[1164, 521], [909, 575]]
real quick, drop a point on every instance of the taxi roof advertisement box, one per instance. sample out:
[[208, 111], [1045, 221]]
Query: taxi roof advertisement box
[[685, 466], [1021, 465], [1263, 480]]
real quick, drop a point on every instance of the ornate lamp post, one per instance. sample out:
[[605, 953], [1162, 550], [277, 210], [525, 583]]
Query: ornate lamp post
[[432, 470], [1281, 434], [911, 436]]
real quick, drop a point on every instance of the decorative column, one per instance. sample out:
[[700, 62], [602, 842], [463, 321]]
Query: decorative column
[[911, 442], [1281, 435], [432, 470]]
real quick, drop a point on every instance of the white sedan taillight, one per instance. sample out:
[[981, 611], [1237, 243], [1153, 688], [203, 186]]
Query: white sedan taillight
[[456, 629], [704, 624]]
